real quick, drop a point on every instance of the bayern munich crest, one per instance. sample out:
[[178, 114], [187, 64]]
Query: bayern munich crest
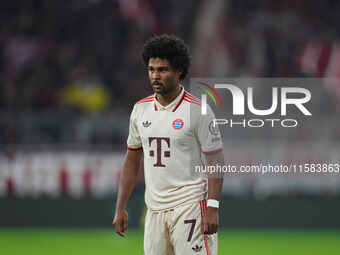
[[177, 124]]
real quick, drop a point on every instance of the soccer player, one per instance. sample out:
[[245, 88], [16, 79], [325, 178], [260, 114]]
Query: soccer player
[[169, 129]]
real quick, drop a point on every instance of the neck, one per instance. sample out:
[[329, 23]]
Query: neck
[[168, 98]]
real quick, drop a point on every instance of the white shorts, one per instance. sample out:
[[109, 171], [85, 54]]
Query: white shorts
[[177, 231]]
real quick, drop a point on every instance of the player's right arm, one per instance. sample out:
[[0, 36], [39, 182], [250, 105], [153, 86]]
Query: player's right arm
[[127, 183], [128, 176]]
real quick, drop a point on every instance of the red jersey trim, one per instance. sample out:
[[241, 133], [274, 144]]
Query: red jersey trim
[[193, 102], [134, 148], [206, 245], [146, 99], [179, 102], [212, 151], [192, 97], [203, 206], [156, 108]]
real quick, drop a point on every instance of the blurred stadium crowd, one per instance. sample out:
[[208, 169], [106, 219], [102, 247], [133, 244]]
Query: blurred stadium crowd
[[70, 71], [67, 60]]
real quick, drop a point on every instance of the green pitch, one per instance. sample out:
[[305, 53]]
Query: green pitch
[[235, 242]]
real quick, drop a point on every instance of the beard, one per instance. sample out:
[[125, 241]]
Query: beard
[[163, 89]]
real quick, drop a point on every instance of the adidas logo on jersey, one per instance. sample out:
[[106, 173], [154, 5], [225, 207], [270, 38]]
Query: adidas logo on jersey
[[146, 123], [197, 248]]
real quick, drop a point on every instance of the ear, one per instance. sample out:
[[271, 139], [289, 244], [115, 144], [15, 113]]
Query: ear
[[179, 73]]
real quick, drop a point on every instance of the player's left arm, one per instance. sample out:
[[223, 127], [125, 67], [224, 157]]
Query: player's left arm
[[210, 140], [210, 221]]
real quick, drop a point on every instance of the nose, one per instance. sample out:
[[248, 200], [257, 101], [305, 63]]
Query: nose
[[155, 75]]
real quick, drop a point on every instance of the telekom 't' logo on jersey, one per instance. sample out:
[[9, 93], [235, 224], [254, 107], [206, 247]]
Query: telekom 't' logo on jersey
[[159, 149]]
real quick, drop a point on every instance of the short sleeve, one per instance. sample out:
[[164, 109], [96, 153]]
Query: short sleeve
[[209, 135], [134, 140]]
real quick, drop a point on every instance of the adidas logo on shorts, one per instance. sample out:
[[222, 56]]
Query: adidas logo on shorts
[[197, 248]]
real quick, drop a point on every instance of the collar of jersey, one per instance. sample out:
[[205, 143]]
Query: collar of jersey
[[173, 105]]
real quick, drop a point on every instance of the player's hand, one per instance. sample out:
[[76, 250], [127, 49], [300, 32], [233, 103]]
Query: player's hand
[[209, 223], [120, 222]]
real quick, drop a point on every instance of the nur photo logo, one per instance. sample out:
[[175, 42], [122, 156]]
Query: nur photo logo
[[282, 99]]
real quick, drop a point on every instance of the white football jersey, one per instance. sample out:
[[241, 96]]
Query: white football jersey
[[173, 139]]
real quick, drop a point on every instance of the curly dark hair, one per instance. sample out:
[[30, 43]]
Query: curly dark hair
[[168, 47]]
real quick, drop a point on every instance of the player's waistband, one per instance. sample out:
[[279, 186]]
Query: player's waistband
[[202, 202]]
